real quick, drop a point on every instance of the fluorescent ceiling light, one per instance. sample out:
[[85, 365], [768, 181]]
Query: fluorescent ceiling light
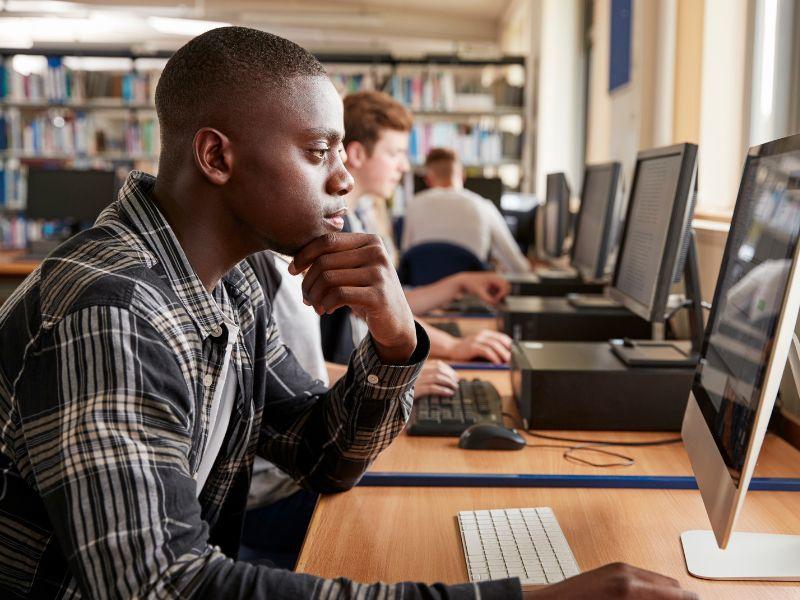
[[24, 64], [42, 6], [188, 27]]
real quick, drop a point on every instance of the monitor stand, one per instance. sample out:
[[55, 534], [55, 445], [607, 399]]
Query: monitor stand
[[647, 353], [759, 556]]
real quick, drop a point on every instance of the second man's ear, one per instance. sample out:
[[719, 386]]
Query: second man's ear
[[356, 154], [213, 155]]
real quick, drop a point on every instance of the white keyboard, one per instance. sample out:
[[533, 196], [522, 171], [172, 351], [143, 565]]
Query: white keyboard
[[516, 542]]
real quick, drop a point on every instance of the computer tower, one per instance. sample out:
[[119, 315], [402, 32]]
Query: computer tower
[[530, 284], [577, 386], [536, 318]]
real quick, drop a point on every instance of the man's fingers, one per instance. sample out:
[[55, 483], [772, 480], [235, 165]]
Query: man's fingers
[[484, 295], [627, 575], [328, 280], [423, 389], [481, 349], [325, 244], [498, 336], [346, 259], [444, 380], [503, 352], [645, 575], [449, 371], [360, 299]]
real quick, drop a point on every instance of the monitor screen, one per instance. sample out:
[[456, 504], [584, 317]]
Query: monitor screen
[[657, 229], [490, 188], [593, 232], [556, 214], [742, 327], [56, 194]]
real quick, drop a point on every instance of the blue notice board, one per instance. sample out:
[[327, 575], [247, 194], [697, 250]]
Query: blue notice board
[[619, 68]]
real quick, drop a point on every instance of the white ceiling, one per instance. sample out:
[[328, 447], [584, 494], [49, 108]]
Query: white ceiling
[[404, 27]]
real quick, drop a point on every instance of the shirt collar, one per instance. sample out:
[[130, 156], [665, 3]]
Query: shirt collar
[[149, 223]]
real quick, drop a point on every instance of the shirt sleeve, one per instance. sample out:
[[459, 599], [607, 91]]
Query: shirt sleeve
[[504, 246], [111, 464], [326, 439]]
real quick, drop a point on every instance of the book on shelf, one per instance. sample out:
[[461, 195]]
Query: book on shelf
[[59, 84], [76, 133], [13, 232], [474, 145], [12, 185]]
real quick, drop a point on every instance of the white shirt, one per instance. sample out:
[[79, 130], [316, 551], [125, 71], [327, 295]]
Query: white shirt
[[298, 326], [358, 326], [221, 405], [462, 217], [298, 323]]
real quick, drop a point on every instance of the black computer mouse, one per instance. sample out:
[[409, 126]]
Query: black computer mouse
[[488, 436]]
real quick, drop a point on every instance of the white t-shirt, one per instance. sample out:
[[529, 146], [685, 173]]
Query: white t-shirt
[[298, 326], [464, 218], [221, 407]]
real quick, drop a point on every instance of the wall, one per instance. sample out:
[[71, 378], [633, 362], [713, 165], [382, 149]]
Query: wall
[[560, 95], [723, 104], [688, 77], [519, 36], [634, 116]]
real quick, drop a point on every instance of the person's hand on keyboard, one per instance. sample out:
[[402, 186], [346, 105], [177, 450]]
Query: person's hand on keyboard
[[488, 286], [493, 346], [616, 581], [438, 378]]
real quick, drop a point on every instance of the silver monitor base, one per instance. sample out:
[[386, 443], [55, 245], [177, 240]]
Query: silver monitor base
[[760, 556]]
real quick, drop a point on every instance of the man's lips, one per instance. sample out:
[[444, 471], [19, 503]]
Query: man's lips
[[336, 219]]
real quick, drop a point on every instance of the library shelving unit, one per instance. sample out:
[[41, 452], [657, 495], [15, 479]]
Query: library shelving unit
[[63, 106]]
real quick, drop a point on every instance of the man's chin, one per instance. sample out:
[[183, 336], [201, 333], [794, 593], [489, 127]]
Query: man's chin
[[292, 248]]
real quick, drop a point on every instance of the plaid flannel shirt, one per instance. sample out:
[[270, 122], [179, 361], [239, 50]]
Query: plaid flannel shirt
[[109, 354]]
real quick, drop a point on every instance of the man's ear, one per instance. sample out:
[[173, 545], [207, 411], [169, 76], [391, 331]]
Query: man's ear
[[356, 154], [213, 155], [428, 180]]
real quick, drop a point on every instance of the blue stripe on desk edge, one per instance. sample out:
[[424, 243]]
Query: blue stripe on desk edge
[[384, 479]]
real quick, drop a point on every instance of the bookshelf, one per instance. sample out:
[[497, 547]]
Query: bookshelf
[[58, 110]]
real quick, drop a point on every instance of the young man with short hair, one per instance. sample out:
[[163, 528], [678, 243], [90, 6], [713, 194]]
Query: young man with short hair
[[447, 212], [140, 371]]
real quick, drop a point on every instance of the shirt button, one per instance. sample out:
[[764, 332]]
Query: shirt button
[[373, 379], [208, 380], [194, 476], [216, 331]]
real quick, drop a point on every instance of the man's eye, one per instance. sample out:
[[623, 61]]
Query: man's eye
[[320, 152]]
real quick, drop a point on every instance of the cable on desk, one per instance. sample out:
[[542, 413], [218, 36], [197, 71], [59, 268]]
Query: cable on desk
[[596, 446]]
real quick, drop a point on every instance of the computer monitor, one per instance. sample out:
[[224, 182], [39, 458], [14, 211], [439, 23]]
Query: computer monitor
[[490, 188], [657, 227], [64, 194], [555, 215], [745, 348], [598, 225]]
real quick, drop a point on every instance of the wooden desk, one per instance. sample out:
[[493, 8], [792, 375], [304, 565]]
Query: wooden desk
[[404, 534], [418, 454], [13, 272], [11, 267]]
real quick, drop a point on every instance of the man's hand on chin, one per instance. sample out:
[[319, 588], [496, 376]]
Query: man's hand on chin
[[353, 269]]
